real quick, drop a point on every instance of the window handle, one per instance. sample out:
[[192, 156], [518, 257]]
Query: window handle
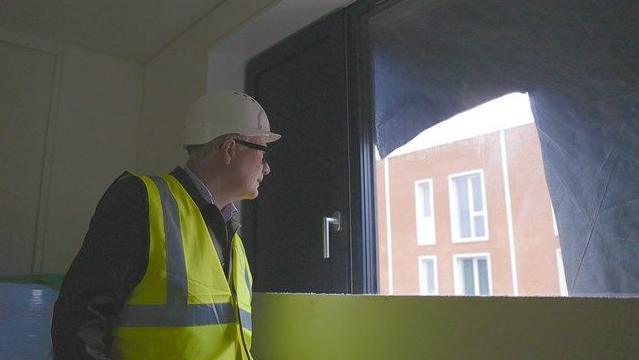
[[328, 222]]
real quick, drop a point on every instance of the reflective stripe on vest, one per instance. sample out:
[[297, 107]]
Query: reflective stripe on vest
[[177, 311]]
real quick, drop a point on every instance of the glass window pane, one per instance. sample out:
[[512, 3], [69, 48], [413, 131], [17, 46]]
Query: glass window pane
[[482, 268], [480, 229], [478, 201], [463, 212], [425, 198], [421, 163], [499, 137], [430, 271], [469, 282]]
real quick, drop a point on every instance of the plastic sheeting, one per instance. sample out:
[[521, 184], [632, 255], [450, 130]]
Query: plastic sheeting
[[578, 59], [25, 321], [591, 157]]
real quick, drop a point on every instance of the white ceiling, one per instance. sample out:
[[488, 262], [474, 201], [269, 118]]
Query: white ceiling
[[132, 29]]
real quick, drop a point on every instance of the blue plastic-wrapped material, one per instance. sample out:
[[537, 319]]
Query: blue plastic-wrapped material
[[25, 321]]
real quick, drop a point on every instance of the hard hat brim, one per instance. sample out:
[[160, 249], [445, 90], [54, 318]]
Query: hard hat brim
[[269, 136]]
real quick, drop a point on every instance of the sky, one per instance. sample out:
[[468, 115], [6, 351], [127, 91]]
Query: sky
[[505, 112]]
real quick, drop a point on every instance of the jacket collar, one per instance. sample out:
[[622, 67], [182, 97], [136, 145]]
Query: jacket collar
[[189, 186], [183, 177]]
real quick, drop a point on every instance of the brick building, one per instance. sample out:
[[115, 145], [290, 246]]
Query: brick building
[[465, 210]]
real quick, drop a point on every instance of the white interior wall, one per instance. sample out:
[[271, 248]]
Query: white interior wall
[[96, 140], [91, 137], [229, 56], [176, 77], [25, 94]]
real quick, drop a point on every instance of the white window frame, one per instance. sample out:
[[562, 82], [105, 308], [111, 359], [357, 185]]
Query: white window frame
[[422, 238], [561, 274], [454, 214], [423, 279], [459, 275], [554, 221]]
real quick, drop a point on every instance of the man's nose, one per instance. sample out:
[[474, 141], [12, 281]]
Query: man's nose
[[266, 168]]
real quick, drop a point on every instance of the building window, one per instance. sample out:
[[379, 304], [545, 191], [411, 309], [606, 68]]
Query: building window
[[428, 275], [472, 274], [425, 212], [468, 207]]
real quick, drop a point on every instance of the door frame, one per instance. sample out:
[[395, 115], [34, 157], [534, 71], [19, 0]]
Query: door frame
[[362, 145], [314, 33]]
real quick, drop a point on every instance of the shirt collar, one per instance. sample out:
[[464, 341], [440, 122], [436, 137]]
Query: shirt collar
[[227, 212]]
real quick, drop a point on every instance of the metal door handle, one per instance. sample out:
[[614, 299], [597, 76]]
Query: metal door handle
[[336, 223]]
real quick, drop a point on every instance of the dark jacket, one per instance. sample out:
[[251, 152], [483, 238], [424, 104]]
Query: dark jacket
[[111, 262]]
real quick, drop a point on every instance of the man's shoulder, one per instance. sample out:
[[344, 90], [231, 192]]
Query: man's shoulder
[[124, 200], [125, 187], [126, 182]]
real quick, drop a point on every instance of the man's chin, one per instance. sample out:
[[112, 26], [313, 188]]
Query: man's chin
[[251, 195]]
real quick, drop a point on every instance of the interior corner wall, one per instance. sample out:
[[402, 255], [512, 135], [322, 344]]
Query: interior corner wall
[[100, 97], [303, 326], [91, 136], [176, 77]]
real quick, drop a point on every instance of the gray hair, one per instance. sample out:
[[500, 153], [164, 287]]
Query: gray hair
[[202, 150]]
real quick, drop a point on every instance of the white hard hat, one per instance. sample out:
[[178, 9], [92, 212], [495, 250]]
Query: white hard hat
[[225, 112]]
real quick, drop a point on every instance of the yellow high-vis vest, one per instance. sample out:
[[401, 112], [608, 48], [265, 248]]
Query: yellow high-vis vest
[[184, 307]]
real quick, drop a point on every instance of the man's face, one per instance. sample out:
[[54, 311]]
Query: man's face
[[249, 168]]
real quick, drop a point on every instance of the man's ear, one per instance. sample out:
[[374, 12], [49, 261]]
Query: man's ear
[[228, 148]]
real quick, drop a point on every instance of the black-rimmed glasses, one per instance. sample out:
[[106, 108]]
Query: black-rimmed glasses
[[254, 146]]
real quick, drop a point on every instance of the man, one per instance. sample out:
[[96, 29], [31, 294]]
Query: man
[[162, 272]]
